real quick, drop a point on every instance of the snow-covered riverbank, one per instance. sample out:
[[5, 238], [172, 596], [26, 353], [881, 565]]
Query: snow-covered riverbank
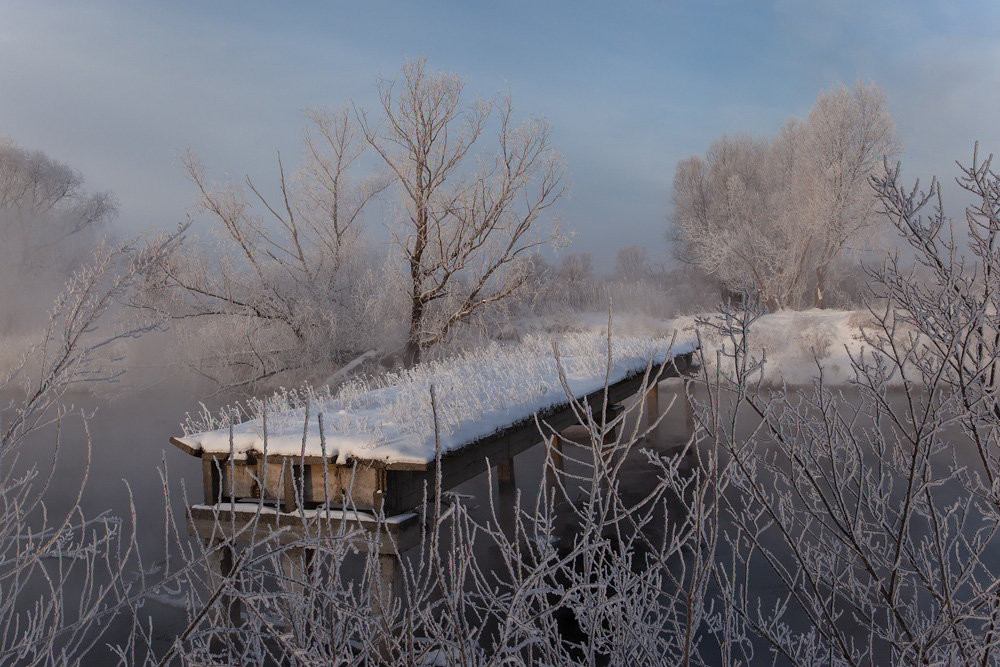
[[791, 341]]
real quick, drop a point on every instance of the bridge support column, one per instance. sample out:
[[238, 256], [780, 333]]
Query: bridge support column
[[220, 559], [612, 413], [387, 585], [506, 495], [652, 404], [554, 456], [686, 389]]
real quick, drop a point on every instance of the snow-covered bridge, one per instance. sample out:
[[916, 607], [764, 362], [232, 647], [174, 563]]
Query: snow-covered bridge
[[367, 457]]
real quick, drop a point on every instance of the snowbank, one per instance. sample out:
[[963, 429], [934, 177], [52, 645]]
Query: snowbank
[[788, 339], [390, 419], [792, 342]]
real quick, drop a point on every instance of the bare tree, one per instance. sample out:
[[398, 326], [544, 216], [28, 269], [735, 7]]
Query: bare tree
[[278, 292], [35, 184], [574, 280], [631, 263], [291, 286], [576, 267], [470, 221]]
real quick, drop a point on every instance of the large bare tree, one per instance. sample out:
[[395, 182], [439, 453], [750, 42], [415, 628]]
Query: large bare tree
[[278, 290], [291, 287], [471, 207]]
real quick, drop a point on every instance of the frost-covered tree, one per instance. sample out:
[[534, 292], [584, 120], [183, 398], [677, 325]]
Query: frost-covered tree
[[33, 184], [731, 215], [847, 136], [631, 263], [49, 226], [291, 287], [575, 279], [475, 186], [576, 268], [779, 214], [278, 290]]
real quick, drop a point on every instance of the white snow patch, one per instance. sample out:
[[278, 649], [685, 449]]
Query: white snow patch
[[787, 338]]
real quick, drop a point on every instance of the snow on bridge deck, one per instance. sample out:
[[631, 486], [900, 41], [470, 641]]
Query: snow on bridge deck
[[390, 421]]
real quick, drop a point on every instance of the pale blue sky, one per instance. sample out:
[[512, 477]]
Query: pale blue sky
[[116, 89]]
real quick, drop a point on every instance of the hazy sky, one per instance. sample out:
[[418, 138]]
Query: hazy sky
[[117, 89]]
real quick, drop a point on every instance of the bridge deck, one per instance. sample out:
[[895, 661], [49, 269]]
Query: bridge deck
[[293, 488]]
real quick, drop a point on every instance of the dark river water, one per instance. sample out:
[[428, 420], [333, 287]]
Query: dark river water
[[130, 445], [130, 449]]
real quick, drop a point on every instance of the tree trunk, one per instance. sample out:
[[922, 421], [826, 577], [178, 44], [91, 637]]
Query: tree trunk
[[411, 354], [819, 293]]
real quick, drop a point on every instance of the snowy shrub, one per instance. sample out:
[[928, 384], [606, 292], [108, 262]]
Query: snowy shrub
[[876, 515]]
